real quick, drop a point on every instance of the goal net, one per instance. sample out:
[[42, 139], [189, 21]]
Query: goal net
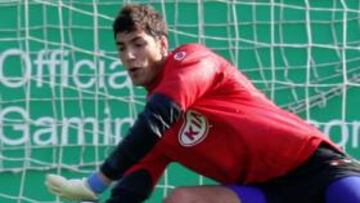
[[65, 100]]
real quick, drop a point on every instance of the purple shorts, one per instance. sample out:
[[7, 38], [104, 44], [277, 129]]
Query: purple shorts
[[309, 183]]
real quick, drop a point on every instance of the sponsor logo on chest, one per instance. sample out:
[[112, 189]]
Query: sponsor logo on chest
[[194, 130]]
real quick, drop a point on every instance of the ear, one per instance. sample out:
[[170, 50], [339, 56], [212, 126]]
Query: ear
[[164, 45]]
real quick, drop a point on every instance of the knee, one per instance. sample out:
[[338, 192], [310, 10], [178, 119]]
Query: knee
[[183, 195]]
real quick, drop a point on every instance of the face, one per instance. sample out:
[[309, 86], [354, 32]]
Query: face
[[142, 55]]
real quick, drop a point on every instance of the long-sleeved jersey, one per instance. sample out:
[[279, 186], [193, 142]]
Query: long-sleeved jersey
[[229, 131]]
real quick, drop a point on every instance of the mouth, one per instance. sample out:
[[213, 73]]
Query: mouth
[[134, 70]]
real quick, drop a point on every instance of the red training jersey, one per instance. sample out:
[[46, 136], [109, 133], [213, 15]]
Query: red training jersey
[[229, 131]]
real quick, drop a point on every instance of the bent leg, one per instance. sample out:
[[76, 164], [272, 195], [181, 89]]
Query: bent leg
[[214, 194], [344, 190]]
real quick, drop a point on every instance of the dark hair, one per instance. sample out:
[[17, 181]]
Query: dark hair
[[134, 17]]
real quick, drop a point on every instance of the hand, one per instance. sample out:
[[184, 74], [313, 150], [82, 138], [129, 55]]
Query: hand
[[71, 189]]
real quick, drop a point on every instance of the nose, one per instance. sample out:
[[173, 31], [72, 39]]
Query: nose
[[128, 54]]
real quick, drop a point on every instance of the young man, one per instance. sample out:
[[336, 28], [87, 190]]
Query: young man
[[203, 113]]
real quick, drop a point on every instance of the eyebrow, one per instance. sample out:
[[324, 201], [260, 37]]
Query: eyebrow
[[132, 40]]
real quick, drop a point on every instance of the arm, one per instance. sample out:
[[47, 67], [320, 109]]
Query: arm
[[159, 114], [135, 187], [139, 181]]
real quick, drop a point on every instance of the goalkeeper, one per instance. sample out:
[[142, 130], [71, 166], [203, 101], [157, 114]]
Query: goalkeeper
[[206, 115]]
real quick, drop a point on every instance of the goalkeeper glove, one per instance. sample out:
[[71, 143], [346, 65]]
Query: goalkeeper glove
[[71, 189]]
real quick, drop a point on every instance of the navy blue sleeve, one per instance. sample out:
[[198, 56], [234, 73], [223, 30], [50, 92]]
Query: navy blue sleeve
[[136, 187], [160, 112]]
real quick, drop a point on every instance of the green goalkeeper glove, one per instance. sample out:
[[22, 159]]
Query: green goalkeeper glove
[[71, 189]]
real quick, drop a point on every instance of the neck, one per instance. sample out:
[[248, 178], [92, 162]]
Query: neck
[[160, 67]]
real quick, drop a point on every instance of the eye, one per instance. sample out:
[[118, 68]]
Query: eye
[[120, 48], [140, 44]]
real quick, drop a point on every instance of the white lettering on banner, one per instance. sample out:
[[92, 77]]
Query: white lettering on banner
[[46, 130], [14, 82], [50, 131], [18, 127], [54, 67], [349, 132], [76, 72], [344, 131], [54, 61]]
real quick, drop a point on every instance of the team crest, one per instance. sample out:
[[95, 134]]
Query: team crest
[[179, 55], [194, 130]]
